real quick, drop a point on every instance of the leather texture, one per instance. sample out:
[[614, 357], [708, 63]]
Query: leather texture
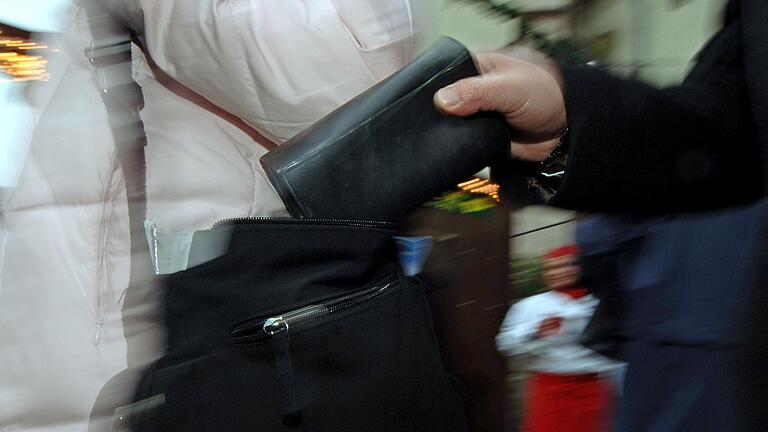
[[388, 150]]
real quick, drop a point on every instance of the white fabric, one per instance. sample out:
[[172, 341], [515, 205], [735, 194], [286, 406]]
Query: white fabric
[[200, 168], [66, 258], [279, 64], [234, 52], [560, 353]]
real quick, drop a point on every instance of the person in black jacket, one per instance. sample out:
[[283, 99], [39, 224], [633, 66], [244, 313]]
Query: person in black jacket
[[632, 148], [699, 145]]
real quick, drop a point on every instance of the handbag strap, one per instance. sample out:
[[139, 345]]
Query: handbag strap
[[110, 55], [190, 95], [122, 100]]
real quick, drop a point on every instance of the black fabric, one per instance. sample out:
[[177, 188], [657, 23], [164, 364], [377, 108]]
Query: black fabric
[[388, 150], [523, 183], [689, 279], [683, 303], [755, 59], [692, 325], [603, 333], [676, 388], [699, 145], [374, 366]]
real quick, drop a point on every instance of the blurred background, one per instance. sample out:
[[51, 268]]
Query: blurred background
[[649, 40], [16, 117]]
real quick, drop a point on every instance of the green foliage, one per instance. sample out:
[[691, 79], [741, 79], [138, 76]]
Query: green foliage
[[525, 276], [563, 50], [462, 202], [503, 10]]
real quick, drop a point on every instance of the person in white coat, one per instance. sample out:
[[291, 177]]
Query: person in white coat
[[569, 388], [279, 66]]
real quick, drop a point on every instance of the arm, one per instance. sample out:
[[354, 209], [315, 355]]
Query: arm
[[519, 333], [634, 148], [637, 148]]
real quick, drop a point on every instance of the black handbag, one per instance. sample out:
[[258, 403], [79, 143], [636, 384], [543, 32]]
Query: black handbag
[[388, 150], [301, 325]]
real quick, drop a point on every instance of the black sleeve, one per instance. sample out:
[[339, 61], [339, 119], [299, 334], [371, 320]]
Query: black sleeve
[[635, 148]]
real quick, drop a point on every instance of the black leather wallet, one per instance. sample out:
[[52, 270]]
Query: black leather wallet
[[388, 150]]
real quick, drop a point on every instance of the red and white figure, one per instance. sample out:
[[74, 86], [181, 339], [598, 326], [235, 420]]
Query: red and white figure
[[570, 386]]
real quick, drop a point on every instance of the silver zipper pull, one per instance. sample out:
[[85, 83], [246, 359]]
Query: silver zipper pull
[[275, 325], [281, 323]]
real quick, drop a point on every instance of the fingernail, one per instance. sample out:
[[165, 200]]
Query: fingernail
[[449, 96]]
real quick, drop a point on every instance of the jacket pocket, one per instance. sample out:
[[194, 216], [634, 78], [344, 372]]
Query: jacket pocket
[[374, 24]]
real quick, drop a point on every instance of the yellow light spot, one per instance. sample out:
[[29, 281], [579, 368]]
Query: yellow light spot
[[20, 66], [467, 183], [481, 187]]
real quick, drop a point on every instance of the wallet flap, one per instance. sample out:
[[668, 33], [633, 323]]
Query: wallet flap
[[388, 149]]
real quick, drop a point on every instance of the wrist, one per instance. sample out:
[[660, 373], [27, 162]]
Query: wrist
[[557, 158]]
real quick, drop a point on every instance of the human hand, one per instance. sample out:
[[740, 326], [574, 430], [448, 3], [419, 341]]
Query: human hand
[[549, 326], [527, 94]]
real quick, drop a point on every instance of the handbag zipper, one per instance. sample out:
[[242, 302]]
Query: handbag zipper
[[277, 324], [307, 221], [278, 329]]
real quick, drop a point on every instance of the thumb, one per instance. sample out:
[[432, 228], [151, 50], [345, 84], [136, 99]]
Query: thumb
[[470, 95]]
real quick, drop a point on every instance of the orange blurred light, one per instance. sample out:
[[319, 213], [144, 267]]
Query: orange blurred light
[[482, 187], [17, 65]]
